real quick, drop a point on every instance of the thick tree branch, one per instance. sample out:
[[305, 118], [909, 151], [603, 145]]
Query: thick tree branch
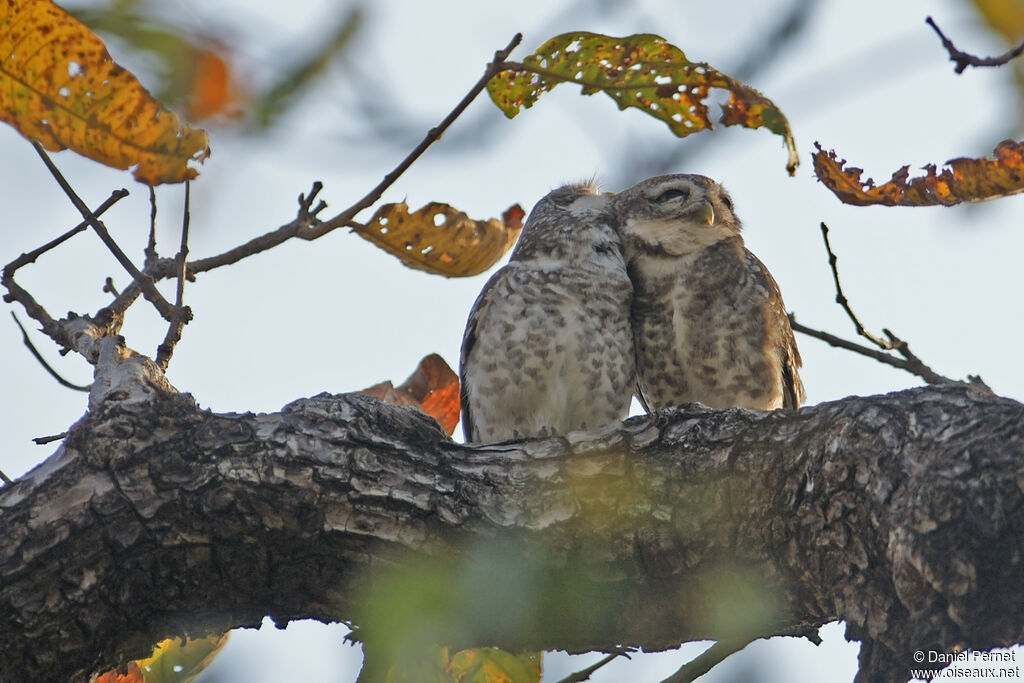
[[901, 514]]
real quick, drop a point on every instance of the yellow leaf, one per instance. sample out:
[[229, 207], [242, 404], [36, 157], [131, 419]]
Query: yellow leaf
[[966, 180], [178, 661], [59, 85], [491, 665], [642, 71], [442, 240]]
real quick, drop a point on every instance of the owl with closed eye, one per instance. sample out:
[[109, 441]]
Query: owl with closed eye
[[548, 347], [708, 320]]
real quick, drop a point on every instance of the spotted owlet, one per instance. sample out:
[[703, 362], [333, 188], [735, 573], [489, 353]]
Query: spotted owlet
[[708, 319], [548, 347]]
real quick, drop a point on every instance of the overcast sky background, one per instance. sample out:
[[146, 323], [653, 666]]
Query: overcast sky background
[[868, 79]]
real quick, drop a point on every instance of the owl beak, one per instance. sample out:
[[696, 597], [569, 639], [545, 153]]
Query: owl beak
[[706, 212]]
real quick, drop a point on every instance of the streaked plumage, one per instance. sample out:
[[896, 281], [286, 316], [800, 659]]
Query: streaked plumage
[[708, 319], [548, 347]]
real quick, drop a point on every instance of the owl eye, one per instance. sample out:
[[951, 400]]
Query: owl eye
[[671, 194], [727, 200]]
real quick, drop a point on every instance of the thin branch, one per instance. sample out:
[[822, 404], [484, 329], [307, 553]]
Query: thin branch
[[109, 287], [30, 257], [841, 298], [5, 479], [306, 225], [149, 289], [964, 59], [910, 362], [182, 314], [150, 251], [16, 293], [496, 66], [42, 361], [585, 674], [705, 661], [42, 440]]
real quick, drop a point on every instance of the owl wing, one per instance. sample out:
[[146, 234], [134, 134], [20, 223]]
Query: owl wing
[[478, 314], [780, 335]]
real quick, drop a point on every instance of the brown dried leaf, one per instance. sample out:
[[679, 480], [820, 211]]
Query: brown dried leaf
[[59, 85], [433, 388], [965, 180], [442, 240]]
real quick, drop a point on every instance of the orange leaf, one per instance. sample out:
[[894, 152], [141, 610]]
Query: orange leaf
[[442, 240], [134, 675], [965, 180], [59, 85], [213, 90], [433, 388]]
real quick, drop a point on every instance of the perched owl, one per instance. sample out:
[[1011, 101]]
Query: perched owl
[[708, 319], [548, 347]]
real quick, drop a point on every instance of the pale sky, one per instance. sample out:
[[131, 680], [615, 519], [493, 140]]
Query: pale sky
[[869, 79]]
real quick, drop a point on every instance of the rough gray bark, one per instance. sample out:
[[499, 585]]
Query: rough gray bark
[[901, 514]]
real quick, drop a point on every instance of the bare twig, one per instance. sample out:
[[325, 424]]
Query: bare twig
[[909, 362], [496, 66], [16, 293], [841, 298], [149, 289], [42, 440], [182, 314], [964, 60], [306, 225], [109, 287], [150, 251], [5, 479], [35, 352], [585, 674], [702, 663], [30, 257]]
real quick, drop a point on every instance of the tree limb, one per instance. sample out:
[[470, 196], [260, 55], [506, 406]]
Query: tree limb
[[964, 59], [901, 514]]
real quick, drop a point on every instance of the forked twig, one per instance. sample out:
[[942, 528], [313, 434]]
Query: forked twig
[[909, 361], [964, 59], [182, 313], [16, 293], [149, 289], [497, 65], [841, 298]]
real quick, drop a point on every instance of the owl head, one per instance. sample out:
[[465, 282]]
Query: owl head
[[675, 214], [565, 222]]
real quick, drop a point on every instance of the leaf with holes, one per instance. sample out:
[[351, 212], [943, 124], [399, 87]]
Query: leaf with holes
[[965, 180], [173, 660], [433, 388], [442, 240], [59, 85], [642, 71]]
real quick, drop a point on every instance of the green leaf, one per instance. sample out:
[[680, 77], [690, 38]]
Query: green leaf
[[642, 71]]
